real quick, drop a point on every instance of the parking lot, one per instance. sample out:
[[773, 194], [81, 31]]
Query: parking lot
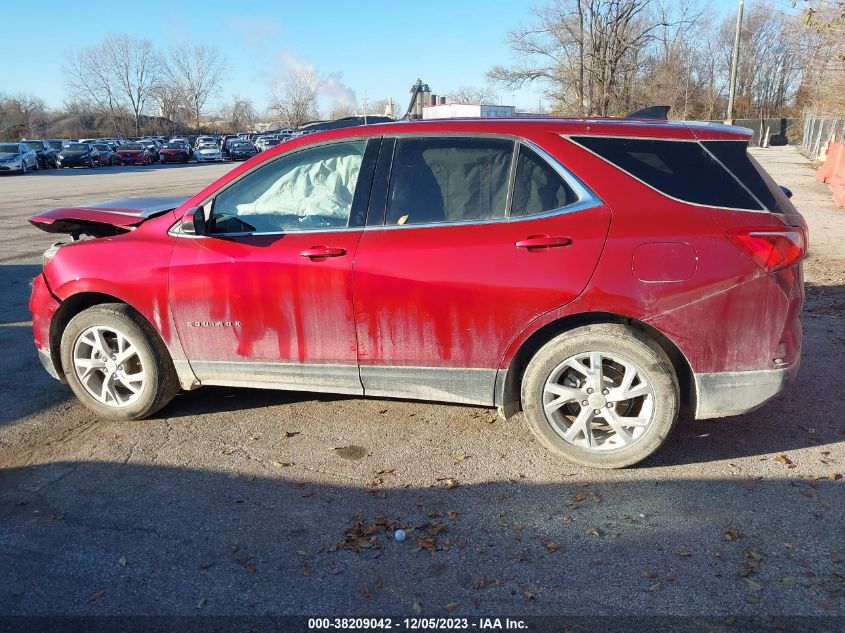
[[232, 501]]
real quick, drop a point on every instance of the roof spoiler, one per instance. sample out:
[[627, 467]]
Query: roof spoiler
[[660, 113]]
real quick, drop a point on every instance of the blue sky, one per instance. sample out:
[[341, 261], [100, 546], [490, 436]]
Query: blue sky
[[375, 46]]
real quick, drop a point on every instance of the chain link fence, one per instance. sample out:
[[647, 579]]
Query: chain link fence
[[818, 131]]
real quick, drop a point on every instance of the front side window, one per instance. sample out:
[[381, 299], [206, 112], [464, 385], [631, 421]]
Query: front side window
[[449, 179], [309, 189]]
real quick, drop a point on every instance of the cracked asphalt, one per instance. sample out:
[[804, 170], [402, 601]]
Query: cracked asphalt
[[241, 502]]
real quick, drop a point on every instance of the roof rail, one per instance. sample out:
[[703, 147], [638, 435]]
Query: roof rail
[[660, 113]]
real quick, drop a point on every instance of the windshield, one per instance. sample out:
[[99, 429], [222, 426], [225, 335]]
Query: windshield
[[77, 147], [35, 144], [241, 146], [174, 146], [6, 148], [272, 141], [103, 147], [208, 146], [132, 146]]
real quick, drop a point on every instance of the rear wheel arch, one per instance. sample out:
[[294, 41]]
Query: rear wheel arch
[[509, 381]]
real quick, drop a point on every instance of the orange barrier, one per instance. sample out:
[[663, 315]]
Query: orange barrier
[[832, 164]]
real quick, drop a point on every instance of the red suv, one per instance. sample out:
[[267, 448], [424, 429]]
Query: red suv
[[597, 274]]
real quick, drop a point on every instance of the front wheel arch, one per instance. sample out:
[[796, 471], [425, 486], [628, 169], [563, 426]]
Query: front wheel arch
[[72, 306], [509, 381]]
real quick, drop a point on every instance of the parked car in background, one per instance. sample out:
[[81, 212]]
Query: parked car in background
[[208, 152], [44, 152], [266, 143], [174, 152], [133, 153], [78, 155], [203, 140], [599, 275], [152, 148], [106, 154], [241, 150], [17, 157]]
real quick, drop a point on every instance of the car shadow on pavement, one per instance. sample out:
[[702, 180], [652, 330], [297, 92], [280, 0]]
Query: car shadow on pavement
[[27, 388], [209, 400], [105, 537]]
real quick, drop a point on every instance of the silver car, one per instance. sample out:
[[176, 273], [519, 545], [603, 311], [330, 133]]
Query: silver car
[[17, 157]]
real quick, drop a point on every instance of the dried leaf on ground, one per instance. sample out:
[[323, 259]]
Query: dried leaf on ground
[[732, 534], [451, 606], [97, 595]]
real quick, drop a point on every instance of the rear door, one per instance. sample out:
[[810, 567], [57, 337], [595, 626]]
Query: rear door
[[469, 239]]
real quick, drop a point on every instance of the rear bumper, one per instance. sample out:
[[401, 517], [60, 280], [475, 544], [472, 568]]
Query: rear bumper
[[728, 393]]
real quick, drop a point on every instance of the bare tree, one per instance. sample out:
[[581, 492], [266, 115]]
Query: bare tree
[[342, 109], [473, 94], [116, 76], [26, 112], [296, 101], [583, 52], [239, 113], [198, 71]]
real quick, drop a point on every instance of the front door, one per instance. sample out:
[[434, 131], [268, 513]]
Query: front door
[[265, 298]]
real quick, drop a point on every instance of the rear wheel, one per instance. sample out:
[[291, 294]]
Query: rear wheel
[[603, 395], [116, 363]]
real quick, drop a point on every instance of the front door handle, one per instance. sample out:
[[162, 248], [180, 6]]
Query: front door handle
[[322, 251], [543, 241]]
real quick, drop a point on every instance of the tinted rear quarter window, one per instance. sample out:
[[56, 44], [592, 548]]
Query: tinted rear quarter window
[[681, 169], [734, 155], [449, 179]]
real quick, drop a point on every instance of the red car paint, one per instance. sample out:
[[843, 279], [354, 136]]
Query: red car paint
[[454, 296]]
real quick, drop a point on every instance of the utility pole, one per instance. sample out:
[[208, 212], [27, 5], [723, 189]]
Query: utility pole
[[734, 63]]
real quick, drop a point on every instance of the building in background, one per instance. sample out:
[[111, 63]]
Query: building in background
[[443, 110]]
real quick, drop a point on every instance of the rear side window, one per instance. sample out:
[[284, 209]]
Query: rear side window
[[538, 188], [449, 179], [681, 169], [734, 155]]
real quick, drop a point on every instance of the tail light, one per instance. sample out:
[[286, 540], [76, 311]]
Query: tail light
[[771, 249]]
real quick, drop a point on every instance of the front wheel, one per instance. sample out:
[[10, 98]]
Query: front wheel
[[603, 396], [116, 363]]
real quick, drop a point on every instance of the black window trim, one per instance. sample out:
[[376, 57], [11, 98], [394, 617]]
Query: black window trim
[[587, 199], [762, 209]]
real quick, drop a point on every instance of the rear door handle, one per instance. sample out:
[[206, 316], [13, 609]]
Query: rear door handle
[[322, 251], [543, 241]]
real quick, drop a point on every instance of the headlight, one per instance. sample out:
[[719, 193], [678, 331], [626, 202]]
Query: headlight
[[50, 253]]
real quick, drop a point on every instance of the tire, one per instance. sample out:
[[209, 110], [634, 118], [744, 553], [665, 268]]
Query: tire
[[557, 362], [23, 168], [150, 356], [35, 167]]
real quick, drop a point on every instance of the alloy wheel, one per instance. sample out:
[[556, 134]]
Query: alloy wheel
[[598, 401], [107, 364]]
